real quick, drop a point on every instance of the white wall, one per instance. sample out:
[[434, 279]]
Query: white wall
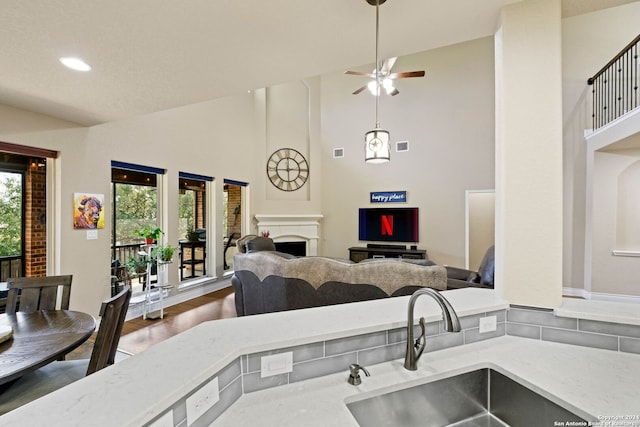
[[447, 117], [628, 207], [529, 154], [588, 42], [204, 139], [288, 116], [610, 274], [70, 173]]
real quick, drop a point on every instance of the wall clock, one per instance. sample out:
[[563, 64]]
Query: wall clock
[[287, 169]]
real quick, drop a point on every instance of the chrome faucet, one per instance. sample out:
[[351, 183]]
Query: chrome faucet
[[451, 324]]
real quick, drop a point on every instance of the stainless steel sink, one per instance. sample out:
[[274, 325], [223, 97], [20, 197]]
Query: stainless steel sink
[[482, 398]]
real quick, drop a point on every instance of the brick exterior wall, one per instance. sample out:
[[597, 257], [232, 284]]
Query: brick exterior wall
[[234, 200], [199, 201], [35, 233]]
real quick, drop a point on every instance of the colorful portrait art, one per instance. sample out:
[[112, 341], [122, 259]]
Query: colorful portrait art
[[87, 211]]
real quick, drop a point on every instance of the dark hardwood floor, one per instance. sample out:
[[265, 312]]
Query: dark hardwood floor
[[138, 334]]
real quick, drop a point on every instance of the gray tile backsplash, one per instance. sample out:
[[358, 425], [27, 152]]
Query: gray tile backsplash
[[542, 324], [329, 357], [381, 354], [441, 341], [630, 345], [301, 353], [321, 367], [345, 345], [474, 335], [540, 317], [254, 382], [586, 339], [609, 328], [524, 331], [365, 349]]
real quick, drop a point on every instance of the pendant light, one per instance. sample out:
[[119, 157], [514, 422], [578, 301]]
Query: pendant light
[[376, 142]]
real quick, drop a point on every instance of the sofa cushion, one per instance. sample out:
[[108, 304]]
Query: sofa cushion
[[259, 243], [330, 293], [272, 294]]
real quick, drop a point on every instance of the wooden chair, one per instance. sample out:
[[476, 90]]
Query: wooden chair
[[61, 373], [37, 293]]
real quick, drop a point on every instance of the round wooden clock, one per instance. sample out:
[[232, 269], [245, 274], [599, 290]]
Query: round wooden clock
[[287, 169]]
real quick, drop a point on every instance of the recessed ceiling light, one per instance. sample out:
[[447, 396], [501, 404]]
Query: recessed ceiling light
[[75, 63]]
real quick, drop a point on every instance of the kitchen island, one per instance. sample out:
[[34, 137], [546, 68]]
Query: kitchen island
[[151, 388]]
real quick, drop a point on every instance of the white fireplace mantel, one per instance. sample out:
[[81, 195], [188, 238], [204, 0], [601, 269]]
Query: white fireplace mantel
[[292, 228]]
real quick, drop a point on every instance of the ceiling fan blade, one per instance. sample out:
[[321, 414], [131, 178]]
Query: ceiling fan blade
[[406, 74], [358, 73], [394, 92], [357, 91], [387, 65]]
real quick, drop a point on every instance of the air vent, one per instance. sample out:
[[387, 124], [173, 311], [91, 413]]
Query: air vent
[[402, 146], [338, 153]]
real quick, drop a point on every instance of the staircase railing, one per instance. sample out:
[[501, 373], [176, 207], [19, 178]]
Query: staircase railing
[[615, 87]]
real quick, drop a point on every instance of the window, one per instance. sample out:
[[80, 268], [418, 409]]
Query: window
[[23, 188], [11, 223], [134, 204], [233, 219], [192, 227]]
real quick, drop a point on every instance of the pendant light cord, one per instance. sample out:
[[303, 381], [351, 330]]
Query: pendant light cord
[[377, 65]]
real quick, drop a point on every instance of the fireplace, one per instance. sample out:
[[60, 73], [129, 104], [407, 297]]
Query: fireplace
[[291, 228], [292, 248]]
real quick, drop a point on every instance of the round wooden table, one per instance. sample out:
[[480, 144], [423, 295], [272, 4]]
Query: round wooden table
[[40, 338]]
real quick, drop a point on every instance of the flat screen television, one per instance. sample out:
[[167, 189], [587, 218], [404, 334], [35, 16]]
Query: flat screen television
[[388, 224]]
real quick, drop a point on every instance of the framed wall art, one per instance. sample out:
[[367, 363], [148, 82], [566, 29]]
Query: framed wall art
[[88, 211]]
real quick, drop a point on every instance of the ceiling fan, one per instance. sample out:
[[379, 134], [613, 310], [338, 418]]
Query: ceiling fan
[[382, 75]]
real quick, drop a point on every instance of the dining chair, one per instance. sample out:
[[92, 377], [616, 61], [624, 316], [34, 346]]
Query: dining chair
[[61, 373], [37, 293]]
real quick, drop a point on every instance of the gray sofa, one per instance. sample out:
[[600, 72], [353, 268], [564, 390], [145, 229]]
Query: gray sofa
[[483, 278], [267, 281]]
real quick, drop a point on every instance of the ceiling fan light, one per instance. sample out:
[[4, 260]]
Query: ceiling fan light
[[387, 83], [376, 146], [373, 87]]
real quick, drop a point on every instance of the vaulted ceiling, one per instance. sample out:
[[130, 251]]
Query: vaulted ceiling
[[152, 55]]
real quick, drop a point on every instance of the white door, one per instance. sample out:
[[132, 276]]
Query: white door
[[480, 226]]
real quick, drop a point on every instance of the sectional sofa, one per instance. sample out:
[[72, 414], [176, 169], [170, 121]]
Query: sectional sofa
[[268, 281]]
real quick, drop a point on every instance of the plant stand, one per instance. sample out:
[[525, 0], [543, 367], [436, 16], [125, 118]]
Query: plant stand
[[162, 286]]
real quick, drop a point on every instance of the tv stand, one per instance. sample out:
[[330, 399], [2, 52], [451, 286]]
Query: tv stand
[[385, 246], [357, 254]]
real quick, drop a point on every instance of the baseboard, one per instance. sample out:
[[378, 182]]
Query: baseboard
[[575, 292], [184, 294], [597, 296]]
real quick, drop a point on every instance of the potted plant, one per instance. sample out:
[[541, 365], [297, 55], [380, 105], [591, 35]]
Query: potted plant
[[136, 266], [164, 253], [149, 233], [192, 236]]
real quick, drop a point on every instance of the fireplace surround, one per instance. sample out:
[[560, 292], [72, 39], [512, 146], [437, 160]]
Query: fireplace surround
[[288, 228]]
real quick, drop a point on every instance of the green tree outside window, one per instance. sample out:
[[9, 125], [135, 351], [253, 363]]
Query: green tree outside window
[[10, 214]]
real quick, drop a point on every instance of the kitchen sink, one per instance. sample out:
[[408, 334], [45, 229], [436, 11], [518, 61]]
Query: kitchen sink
[[482, 398]]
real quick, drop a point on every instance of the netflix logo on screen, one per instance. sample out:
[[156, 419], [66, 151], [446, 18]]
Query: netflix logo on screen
[[388, 224]]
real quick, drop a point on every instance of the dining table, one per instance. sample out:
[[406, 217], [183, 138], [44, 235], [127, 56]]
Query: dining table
[[38, 338]]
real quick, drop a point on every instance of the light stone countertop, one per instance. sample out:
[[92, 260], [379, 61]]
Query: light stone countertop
[[604, 311], [139, 388], [589, 382]]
